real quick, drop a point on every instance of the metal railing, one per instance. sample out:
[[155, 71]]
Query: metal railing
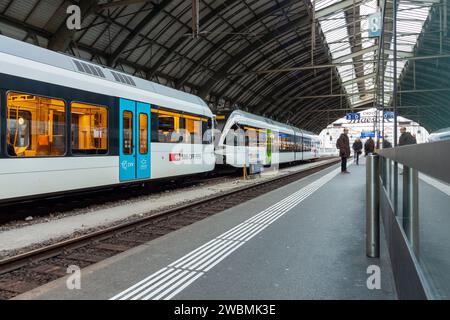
[[413, 198]]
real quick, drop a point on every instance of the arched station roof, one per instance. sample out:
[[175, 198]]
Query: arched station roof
[[300, 62], [153, 40]]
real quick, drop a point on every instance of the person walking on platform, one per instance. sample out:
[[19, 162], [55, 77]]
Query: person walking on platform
[[406, 138], [386, 143], [357, 147], [369, 146], [343, 144]]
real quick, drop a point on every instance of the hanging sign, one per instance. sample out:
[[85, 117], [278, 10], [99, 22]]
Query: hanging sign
[[353, 116], [368, 116], [388, 115], [375, 24]]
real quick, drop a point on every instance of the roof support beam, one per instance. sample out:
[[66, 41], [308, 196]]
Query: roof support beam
[[353, 20], [239, 29], [369, 91], [297, 54], [181, 40], [310, 86], [355, 80], [306, 83], [340, 5], [400, 54], [355, 54], [223, 71], [331, 65], [24, 26], [119, 3], [61, 40], [137, 30]]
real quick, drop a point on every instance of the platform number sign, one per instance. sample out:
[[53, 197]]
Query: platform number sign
[[388, 115], [353, 116], [375, 24]]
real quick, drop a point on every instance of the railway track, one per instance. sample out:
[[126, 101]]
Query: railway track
[[80, 200], [29, 270]]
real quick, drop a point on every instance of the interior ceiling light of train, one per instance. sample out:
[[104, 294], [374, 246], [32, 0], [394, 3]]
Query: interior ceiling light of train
[[345, 26]]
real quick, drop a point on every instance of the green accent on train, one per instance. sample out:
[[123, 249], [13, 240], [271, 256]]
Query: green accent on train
[[269, 147]]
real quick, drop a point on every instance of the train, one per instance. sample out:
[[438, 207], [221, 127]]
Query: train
[[71, 125], [251, 139], [442, 134]]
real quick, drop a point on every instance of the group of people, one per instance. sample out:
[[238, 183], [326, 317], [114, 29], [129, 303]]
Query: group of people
[[343, 144]]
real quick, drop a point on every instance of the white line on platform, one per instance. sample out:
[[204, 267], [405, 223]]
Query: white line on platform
[[163, 284], [142, 284], [191, 257], [173, 294], [216, 255], [178, 275], [217, 250]]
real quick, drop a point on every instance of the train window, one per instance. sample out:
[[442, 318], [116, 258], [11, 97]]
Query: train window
[[127, 132], [207, 131], [306, 144], [262, 138], [167, 128], [143, 133], [36, 126], [194, 129], [285, 142], [247, 141], [89, 129], [172, 127], [154, 126], [298, 144], [251, 137]]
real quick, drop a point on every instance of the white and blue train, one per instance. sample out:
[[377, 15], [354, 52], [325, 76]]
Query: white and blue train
[[71, 125], [247, 138], [442, 134]]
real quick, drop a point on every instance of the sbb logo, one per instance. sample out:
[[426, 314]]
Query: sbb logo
[[174, 157]]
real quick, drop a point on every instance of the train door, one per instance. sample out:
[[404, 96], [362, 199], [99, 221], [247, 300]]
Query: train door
[[134, 137], [143, 136]]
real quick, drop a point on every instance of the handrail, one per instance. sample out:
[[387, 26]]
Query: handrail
[[432, 158]]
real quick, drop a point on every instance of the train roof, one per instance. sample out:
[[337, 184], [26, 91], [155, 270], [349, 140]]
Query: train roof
[[252, 116], [41, 55], [443, 130]]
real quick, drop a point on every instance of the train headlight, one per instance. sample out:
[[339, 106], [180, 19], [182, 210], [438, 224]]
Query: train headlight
[[21, 121]]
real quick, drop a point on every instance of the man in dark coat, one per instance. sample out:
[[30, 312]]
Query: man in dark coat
[[369, 146], [406, 138], [386, 143], [357, 147], [343, 144]]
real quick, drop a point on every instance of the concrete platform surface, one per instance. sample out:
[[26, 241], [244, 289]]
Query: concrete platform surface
[[303, 241]]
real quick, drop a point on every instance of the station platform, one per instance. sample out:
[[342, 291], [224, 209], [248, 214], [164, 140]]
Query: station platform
[[305, 240]]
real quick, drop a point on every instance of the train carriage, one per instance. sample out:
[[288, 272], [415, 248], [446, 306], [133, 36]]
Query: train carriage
[[247, 138], [69, 124]]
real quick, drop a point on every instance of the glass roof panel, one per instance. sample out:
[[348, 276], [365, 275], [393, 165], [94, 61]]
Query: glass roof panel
[[345, 15]]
